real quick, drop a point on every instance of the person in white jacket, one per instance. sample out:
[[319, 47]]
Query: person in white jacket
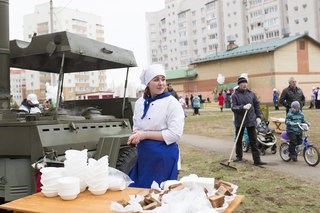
[[30, 104], [158, 122]]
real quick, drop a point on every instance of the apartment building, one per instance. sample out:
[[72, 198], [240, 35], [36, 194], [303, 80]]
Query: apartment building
[[184, 31], [17, 85], [64, 19]]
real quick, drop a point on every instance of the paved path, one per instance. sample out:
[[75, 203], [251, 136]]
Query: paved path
[[299, 169]]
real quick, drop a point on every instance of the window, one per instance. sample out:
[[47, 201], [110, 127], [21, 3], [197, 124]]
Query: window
[[305, 19], [184, 53], [183, 43], [213, 36], [213, 46], [212, 26], [182, 15], [296, 8], [210, 5], [182, 34], [182, 25], [153, 35]]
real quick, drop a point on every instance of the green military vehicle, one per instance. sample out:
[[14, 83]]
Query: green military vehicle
[[101, 126]]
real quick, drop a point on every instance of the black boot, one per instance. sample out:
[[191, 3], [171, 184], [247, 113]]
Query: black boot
[[259, 163], [237, 159]]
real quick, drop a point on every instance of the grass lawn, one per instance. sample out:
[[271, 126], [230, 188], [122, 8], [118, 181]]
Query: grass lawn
[[264, 190]]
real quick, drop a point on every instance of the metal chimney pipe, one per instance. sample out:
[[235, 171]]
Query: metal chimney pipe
[[4, 56]]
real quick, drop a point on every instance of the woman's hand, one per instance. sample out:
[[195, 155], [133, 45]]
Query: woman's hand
[[136, 137]]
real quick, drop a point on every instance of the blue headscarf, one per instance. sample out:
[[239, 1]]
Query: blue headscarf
[[148, 100]]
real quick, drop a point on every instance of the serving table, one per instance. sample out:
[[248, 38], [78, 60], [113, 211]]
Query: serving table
[[85, 202]]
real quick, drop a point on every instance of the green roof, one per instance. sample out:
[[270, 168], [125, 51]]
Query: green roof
[[181, 73], [250, 49]]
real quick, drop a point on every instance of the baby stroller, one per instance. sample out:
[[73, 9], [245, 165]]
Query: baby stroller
[[265, 138]]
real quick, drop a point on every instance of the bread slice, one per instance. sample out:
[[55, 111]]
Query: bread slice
[[216, 200]]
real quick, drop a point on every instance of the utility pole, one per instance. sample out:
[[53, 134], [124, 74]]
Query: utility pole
[[53, 76], [51, 17]]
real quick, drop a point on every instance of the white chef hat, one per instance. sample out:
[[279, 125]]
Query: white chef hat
[[148, 74]]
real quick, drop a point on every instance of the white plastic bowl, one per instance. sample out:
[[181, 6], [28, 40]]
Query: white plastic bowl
[[97, 191], [46, 188], [68, 191], [229, 199], [222, 208], [235, 188], [49, 193], [68, 181], [68, 197], [98, 185]]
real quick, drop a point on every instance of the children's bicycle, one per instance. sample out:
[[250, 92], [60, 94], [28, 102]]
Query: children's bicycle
[[310, 153]]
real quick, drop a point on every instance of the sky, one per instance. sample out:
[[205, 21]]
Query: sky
[[123, 20]]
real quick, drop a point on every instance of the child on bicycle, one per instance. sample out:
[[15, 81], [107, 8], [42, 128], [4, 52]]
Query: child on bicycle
[[294, 133]]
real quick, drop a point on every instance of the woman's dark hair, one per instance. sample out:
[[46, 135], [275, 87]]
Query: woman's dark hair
[[147, 93]]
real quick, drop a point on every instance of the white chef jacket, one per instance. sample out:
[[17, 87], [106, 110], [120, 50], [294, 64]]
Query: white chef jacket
[[165, 115]]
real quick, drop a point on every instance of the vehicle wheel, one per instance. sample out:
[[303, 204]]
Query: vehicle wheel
[[126, 159], [274, 149], [245, 146], [284, 151], [311, 155], [263, 151]]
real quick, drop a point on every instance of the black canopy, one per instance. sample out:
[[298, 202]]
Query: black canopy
[[44, 53]]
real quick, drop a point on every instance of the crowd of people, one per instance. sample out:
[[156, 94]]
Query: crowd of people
[[159, 117], [31, 105]]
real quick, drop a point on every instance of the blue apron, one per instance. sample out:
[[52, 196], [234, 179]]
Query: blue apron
[[156, 161]]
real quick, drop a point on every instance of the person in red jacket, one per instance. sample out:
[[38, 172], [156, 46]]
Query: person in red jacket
[[221, 101]]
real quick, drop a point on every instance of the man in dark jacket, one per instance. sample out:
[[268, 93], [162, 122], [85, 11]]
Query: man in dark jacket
[[290, 94], [244, 99], [172, 91]]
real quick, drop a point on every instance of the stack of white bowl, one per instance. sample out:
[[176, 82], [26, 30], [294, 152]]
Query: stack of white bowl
[[97, 175], [76, 165], [49, 177], [68, 187]]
